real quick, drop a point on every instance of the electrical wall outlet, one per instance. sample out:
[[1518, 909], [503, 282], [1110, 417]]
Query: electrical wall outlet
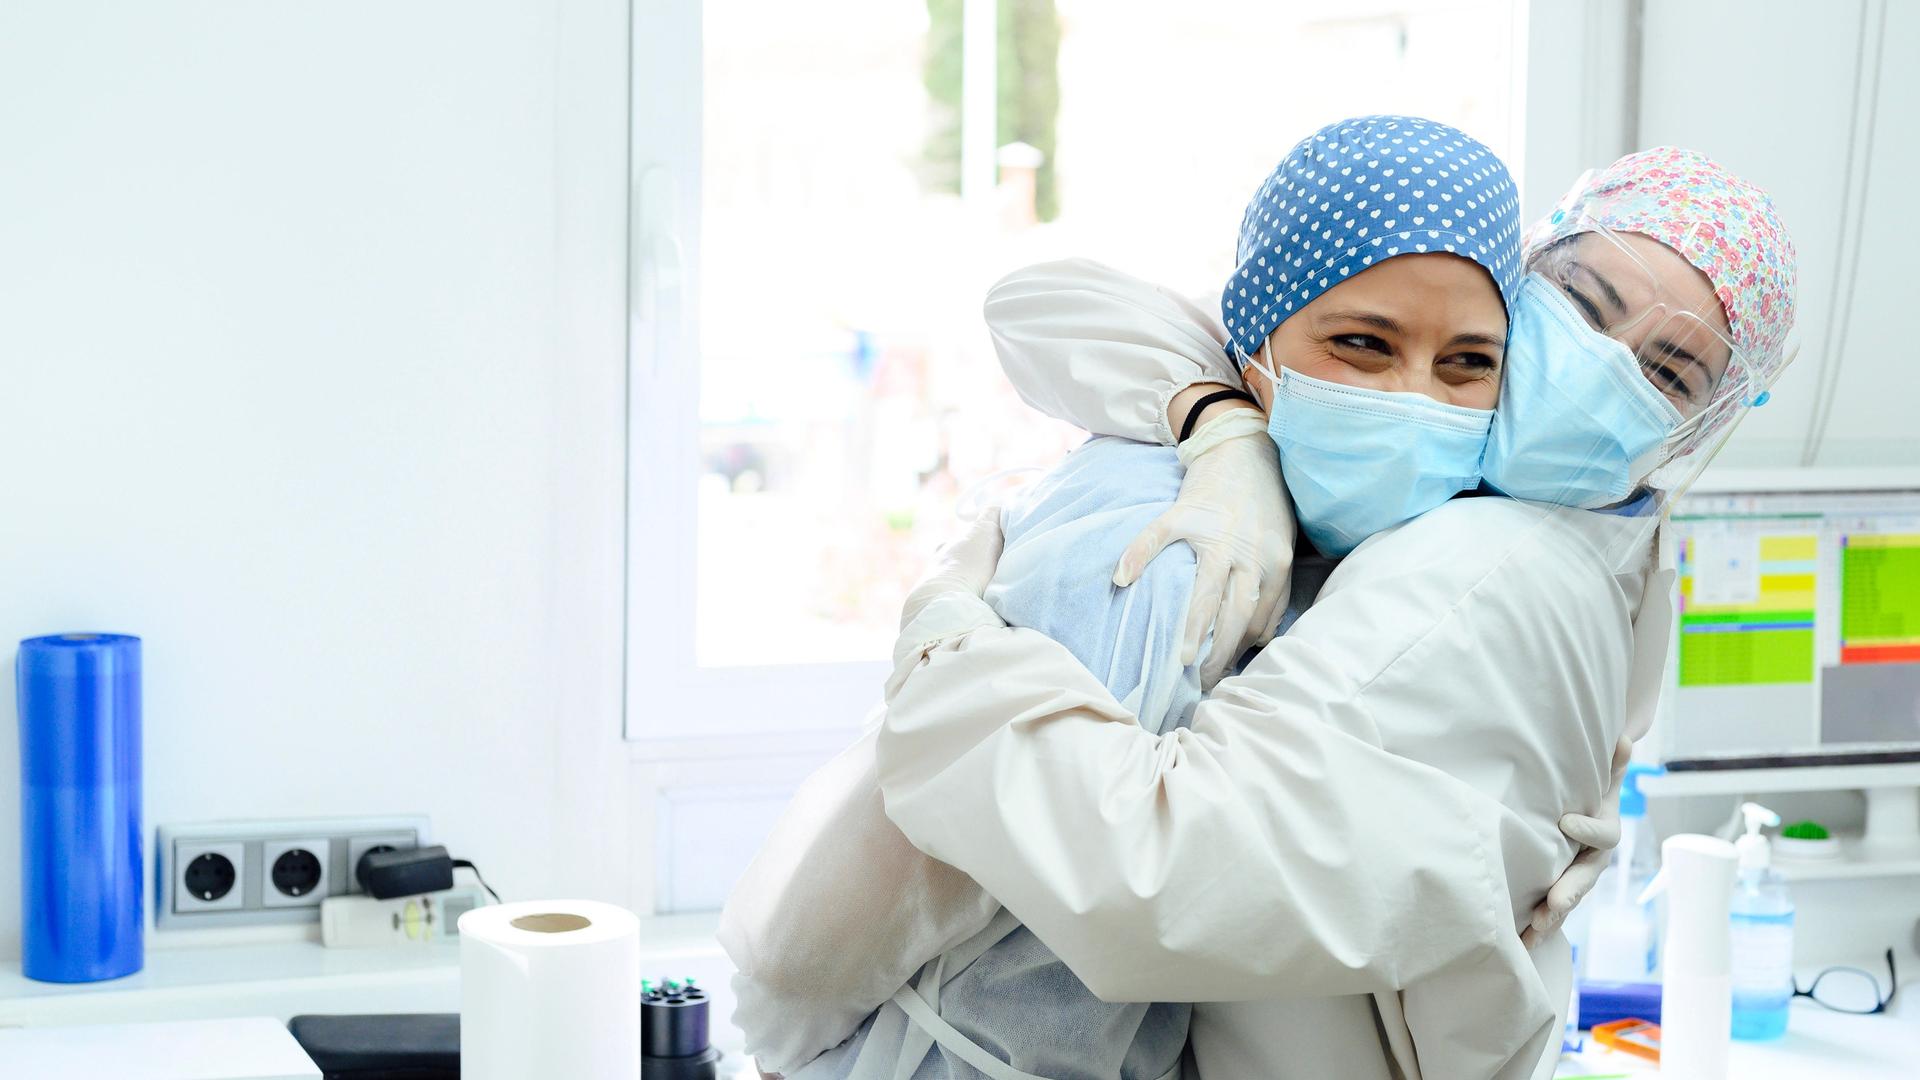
[[239, 873], [210, 877], [296, 872]]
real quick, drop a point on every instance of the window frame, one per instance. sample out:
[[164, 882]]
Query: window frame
[[663, 679], [690, 729]]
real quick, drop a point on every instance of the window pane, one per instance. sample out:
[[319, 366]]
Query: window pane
[[849, 392]]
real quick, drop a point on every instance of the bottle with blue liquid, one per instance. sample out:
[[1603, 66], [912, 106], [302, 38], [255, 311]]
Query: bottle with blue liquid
[[1762, 935]]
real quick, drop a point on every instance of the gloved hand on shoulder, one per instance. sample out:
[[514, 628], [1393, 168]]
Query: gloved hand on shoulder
[[1234, 512], [1597, 835]]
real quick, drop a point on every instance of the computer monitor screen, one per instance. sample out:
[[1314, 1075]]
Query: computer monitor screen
[[1799, 617]]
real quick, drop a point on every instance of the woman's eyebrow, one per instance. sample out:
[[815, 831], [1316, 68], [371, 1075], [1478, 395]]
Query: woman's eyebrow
[[1674, 351], [1686, 361], [1613, 294], [1375, 319], [1477, 338], [1371, 318]]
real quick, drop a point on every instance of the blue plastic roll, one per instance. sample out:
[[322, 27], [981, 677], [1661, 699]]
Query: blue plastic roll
[[1605, 1002], [81, 879]]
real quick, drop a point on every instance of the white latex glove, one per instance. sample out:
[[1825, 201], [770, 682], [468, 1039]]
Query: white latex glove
[[1234, 512], [1597, 836], [964, 564]]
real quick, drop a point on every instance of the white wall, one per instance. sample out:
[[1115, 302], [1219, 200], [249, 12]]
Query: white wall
[[1815, 103], [312, 375], [1577, 67]]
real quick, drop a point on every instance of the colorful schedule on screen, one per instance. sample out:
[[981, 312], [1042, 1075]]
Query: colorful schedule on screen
[[1879, 598], [1798, 621], [1747, 607]]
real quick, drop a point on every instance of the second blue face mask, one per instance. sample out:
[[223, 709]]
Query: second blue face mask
[[1578, 424], [1359, 461]]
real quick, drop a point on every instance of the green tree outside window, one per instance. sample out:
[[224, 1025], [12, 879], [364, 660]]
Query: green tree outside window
[[1028, 78]]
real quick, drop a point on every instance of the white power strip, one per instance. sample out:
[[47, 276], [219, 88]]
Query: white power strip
[[351, 922]]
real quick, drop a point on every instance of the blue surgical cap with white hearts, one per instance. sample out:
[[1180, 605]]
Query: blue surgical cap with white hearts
[[1360, 191]]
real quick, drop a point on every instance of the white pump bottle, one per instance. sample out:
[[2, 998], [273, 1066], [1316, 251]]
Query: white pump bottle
[[1696, 1008]]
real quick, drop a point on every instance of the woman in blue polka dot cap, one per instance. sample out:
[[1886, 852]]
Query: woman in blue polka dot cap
[[1375, 268], [1360, 191]]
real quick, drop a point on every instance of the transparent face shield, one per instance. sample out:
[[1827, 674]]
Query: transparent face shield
[[1647, 297], [1666, 314]]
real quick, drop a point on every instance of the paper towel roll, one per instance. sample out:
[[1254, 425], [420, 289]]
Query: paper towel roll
[[550, 988]]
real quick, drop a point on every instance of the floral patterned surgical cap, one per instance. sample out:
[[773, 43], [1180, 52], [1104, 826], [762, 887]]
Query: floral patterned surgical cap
[[1724, 226]]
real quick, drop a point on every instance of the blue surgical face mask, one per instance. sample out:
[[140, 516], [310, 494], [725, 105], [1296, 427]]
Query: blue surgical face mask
[[1578, 424], [1358, 461]]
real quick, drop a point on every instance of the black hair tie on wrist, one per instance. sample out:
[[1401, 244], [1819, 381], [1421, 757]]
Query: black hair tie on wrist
[[1193, 414]]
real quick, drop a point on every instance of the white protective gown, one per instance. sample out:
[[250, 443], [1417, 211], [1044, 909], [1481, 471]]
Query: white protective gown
[[1340, 851]]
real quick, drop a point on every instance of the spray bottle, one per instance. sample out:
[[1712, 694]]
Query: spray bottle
[[1762, 935], [1696, 1007]]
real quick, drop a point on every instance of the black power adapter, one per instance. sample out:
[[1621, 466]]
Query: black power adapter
[[387, 874]]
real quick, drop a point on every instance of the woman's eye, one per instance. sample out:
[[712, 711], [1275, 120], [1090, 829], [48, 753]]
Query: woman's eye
[[1672, 382], [1474, 361], [1363, 342], [1588, 309]]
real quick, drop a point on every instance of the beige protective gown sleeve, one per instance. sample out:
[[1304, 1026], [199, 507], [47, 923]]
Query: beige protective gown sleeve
[[1102, 349], [1370, 807], [837, 911]]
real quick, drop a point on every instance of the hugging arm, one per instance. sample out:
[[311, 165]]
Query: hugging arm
[[837, 910], [1101, 349], [1280, 847], [1110, 352]]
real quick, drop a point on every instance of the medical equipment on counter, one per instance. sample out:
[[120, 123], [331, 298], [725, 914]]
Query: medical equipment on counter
[[1570, 1041], [549, 988], [1636, 1037], [1605, 1002], [361, 921], [81, 867], [673, 1032], [1622, 940], [418, 1046], [1762, 930], [1806, 840], [1696, 1015]]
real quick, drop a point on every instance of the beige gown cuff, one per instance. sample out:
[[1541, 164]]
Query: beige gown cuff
[[1101, 349], [946, 616]]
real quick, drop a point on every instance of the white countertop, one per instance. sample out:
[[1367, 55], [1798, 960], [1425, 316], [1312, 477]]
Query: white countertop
[[282, 978], [255, 1048], [1819, 1042], [285, 978]]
